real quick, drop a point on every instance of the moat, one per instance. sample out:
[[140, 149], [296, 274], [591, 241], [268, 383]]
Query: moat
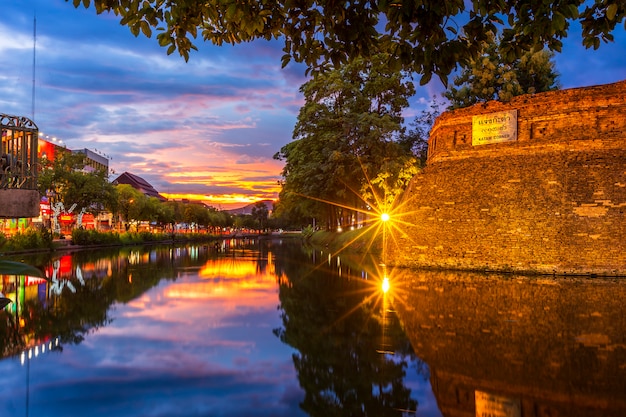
[[272, 328]]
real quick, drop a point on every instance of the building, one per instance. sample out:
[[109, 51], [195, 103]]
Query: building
[[139, 184], [94, 161]]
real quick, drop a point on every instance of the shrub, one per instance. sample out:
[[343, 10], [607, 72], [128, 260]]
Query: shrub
[[93, 237], [29, 239], [307, 232]]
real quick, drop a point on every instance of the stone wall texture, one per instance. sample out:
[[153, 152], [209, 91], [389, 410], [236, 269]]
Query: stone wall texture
[[16, 203], [551, 202], [557, 345]]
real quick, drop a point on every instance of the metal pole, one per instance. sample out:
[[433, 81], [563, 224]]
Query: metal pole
[[34, 54]]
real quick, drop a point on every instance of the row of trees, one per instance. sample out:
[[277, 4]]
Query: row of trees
[[64, 180]]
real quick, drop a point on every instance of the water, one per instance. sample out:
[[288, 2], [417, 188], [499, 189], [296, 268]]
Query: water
[[248, 328], [270, 328]]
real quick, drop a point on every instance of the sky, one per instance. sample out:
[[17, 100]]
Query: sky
[[206, 129]]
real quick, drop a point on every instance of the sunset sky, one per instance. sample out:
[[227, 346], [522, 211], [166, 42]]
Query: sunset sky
[[204, 129]]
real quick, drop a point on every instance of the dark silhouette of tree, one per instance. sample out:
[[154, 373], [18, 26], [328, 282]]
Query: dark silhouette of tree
[[427, 37], [341, 341]]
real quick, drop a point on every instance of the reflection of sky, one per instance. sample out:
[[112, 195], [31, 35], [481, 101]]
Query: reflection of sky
[[421, 389], [183, 348], [202, 345]]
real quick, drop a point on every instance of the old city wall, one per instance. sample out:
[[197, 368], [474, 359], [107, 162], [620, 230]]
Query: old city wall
[[551, 201]]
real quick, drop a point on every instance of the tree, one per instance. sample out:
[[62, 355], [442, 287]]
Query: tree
[[176, 211], [219, 219], [345, 136], [66, 181], [425, 36], [131, 203], [490, 77], [415, 140], [196, 214], [260, 213]]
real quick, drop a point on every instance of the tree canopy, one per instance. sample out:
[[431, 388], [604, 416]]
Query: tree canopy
[[424, 36], [489, 77], [66, 181], [346, 143]]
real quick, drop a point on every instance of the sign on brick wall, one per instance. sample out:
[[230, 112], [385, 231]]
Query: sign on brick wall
[[494, 127], [489, 405]]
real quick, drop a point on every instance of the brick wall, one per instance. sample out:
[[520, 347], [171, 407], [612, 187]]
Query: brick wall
[[554, 201]]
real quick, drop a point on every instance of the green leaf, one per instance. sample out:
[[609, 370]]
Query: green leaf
[[611, 11], [164, 39], [573, 11], [145, 28], [285, 60], [19, 268], [558, 21], [230, 12]]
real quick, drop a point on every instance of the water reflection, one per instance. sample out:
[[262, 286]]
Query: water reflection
[[545, 347], [239, 328], [271, 328], [352, 356]]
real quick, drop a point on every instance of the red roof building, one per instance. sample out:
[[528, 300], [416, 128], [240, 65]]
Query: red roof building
[[139, 184]]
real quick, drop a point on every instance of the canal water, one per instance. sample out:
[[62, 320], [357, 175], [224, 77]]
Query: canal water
[[275, 328]]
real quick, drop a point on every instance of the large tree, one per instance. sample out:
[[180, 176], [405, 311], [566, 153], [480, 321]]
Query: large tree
[[491, 77], [260, 214], [130, 204], [425, 36], [346, 139], [65, 180]]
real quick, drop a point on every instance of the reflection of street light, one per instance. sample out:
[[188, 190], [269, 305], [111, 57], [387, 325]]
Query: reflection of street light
[[386, 348]]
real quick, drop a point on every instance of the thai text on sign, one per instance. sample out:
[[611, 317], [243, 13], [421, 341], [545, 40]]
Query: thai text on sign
[[494, 128], [490, 405]]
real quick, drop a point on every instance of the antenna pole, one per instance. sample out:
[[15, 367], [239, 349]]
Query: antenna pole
[[34, 54]]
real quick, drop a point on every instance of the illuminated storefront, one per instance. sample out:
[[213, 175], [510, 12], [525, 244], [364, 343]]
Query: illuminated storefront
[[47, 149]]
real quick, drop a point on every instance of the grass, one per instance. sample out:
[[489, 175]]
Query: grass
[[359, 240]]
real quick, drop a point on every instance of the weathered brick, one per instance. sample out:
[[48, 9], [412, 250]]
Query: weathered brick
[[554, 201]]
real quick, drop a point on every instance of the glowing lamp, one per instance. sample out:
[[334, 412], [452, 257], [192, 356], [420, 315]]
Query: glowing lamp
[[384, 217], [385, 285]]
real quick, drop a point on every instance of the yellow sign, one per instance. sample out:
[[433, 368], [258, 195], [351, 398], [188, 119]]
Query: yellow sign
[[494, 128], [489, 405]]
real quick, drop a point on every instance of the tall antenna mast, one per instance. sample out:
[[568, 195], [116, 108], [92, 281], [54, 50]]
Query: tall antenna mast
[[34, 52]]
